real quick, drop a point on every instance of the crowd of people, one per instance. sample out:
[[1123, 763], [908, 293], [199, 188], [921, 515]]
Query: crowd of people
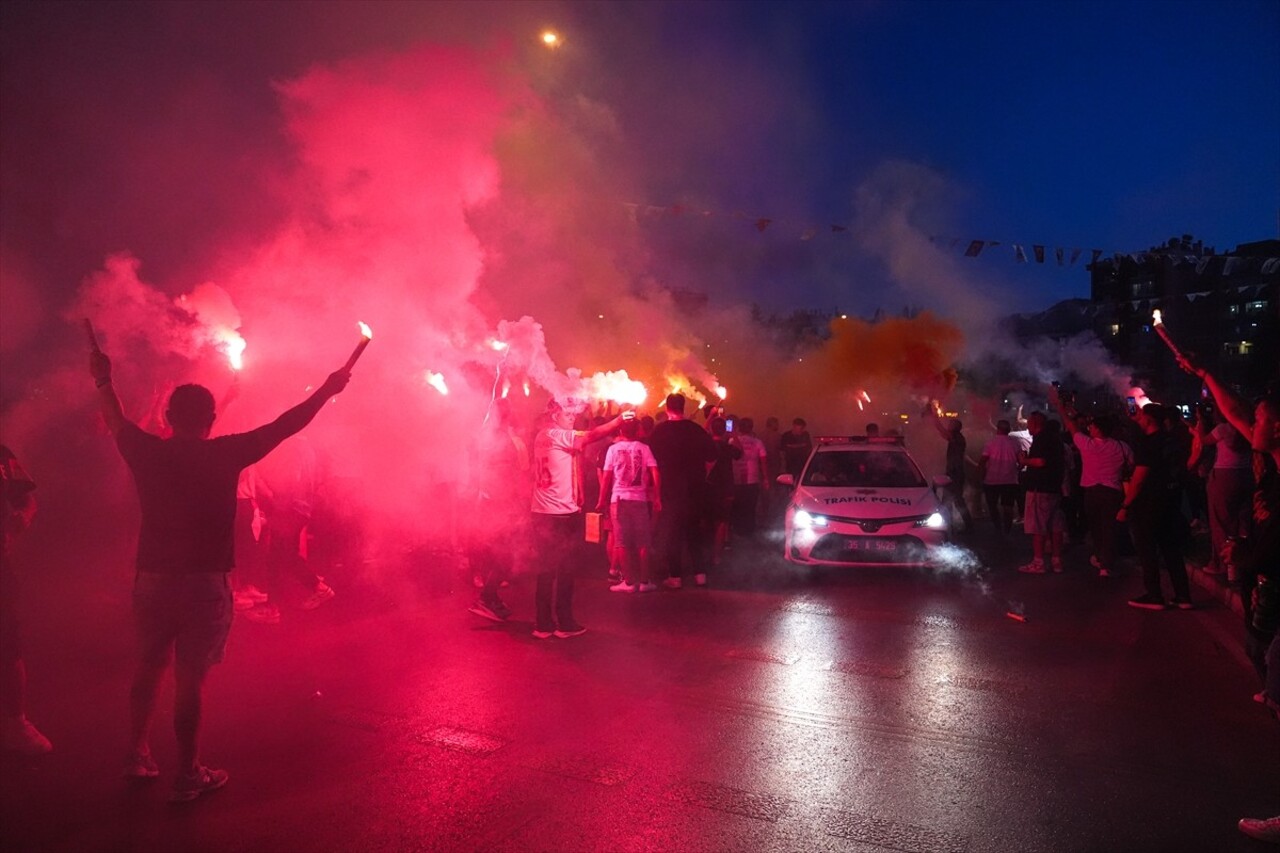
[[222, 530]]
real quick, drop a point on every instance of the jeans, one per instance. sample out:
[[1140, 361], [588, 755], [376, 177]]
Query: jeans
[[680, 528], [1158, 530], [1101, 503], [557, 539]]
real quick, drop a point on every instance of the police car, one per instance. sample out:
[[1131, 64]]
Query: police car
[[863, 501]]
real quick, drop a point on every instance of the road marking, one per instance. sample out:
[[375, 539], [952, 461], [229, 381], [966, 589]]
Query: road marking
[[462, 740]]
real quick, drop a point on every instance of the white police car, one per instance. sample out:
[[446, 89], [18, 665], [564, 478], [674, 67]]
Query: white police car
[[863, 501]]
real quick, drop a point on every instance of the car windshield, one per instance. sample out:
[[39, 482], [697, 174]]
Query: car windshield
[[872, 469]]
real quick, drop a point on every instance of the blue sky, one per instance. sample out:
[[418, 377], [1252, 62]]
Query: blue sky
[[1098, 125]]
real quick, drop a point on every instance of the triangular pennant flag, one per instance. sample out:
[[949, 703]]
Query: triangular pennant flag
[[1096, 253], [992, 243], [837, 229], [762, 224], [1075, 256], [1018, 254], [1039, 250], [975, 249], [1057, 253]]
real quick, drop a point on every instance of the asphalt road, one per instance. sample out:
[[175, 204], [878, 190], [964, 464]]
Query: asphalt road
[[871, 710]]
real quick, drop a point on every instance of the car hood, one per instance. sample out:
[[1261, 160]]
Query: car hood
[[866, 503]]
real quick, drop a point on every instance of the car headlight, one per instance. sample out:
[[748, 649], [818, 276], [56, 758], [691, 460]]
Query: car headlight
[[804, 518], [936, 521]]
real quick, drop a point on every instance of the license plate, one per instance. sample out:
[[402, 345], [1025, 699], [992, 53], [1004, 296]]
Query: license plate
[[877, 545]]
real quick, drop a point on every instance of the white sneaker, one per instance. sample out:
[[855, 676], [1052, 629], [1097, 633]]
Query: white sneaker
[[622, 587], [20, 736], [673, 583], [252, 593], [1035, 567], [700, 579], [323, 593], [267, 614], [647, 587]]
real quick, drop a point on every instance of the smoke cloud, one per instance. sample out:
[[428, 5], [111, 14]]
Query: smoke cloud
[[465, 198]]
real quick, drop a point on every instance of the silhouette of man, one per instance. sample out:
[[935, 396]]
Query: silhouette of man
[[182, 603]]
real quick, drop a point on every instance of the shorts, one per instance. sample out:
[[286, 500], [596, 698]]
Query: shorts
[[631, 525], [187, 616], [10, 636], [1043, 514]]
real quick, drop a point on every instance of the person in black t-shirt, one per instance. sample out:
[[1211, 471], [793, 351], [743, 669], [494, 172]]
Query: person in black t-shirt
[[796, 446], [1151, 509], [1043, 519], [683, 451], [182, 598]]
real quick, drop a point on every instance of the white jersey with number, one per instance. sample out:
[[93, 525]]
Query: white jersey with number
[[557, 489]]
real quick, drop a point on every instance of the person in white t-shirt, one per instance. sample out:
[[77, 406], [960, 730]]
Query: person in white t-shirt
[[998, 469], [1230, 485], [1105, 463], [557, 522], [749, 477], [630, 487]]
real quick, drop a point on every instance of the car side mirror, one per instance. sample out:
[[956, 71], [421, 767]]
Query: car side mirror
[[788, 480]]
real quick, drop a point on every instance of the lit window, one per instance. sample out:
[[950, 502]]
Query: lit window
[[1115, 328], [1233, 310], [1237, 348], [1258, 307]]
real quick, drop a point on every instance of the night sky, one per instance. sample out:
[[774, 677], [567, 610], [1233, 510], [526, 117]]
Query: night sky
[[1095, 125]]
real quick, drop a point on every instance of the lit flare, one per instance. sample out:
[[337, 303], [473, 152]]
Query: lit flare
[[366, 335], [1157, 320], [436, 381]]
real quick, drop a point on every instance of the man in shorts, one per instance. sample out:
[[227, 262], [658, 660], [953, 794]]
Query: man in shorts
[[1043, 519], [182, 602], [631, 486]]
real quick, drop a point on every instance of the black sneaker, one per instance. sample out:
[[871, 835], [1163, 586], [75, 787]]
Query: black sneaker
[[188, 787], [487, 611], [1183, 604], [1148, 602]]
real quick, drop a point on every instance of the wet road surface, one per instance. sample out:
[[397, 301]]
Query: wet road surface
[[868, 710]]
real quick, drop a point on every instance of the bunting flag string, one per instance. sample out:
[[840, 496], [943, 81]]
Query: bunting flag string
[[1064, 256]]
